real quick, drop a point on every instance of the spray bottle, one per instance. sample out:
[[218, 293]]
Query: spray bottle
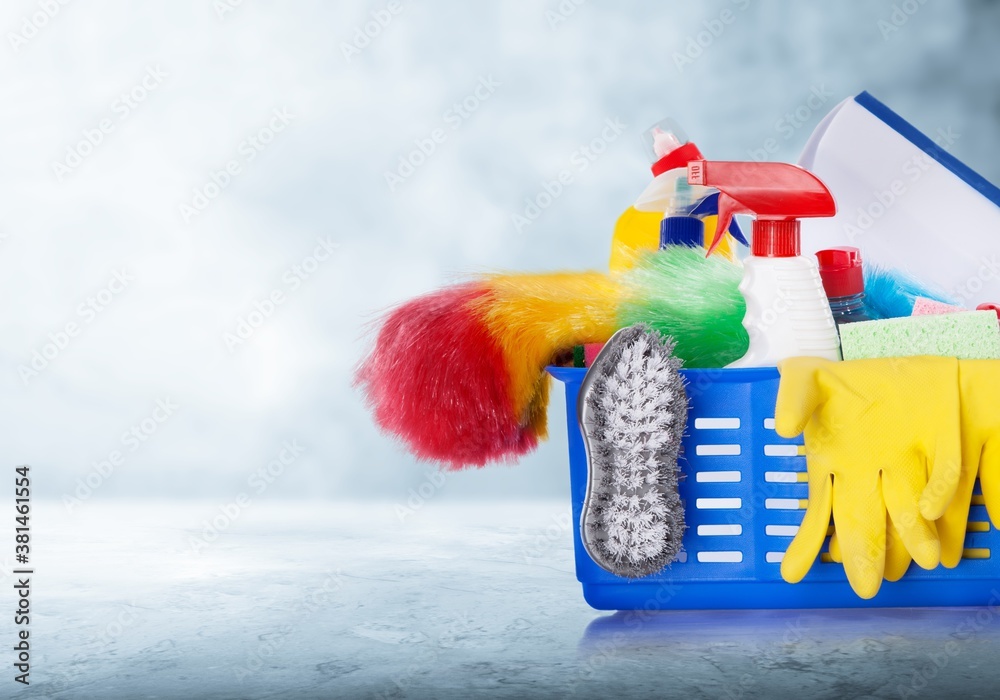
[[646, 225], [788, 313]]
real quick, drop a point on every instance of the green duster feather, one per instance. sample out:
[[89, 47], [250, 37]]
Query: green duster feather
[[693, 299]]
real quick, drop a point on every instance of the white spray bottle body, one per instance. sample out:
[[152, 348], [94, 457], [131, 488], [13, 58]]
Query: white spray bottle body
[[788, 314]]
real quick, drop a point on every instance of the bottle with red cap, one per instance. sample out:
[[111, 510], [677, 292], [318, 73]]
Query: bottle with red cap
[[788, 314], [844, 281]]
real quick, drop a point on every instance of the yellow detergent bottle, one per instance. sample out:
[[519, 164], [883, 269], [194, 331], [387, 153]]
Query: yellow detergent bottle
[[637, 231]]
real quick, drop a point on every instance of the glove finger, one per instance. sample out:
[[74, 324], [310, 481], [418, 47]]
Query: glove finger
[[798, 394], [897, 559], [945, 467], [989, 479], [859, 517], [835, 553], [951, 526], [804, 549], [900, 489]]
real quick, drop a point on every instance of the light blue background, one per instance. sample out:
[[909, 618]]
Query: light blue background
[[562, 71]]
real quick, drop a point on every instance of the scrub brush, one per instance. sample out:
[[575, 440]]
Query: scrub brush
[[633, 412]]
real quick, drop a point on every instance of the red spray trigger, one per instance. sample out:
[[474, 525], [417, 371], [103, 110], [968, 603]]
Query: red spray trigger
[[778, 194], [728, 207]]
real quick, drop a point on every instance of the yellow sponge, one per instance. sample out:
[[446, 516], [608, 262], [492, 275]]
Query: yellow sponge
[[970, 335]]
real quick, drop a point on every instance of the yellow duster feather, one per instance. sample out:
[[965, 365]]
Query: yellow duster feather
[[535, 317]]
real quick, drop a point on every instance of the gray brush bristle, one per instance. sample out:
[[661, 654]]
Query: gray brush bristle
[[636, 414]]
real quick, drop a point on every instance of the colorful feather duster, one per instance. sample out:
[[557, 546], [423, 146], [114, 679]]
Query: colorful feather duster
[[459, 375], [437, 381]]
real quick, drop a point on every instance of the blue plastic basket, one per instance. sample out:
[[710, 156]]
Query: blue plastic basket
[[744, 499]]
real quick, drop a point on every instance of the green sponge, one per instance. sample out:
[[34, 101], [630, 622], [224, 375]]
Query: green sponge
[[969, 335]]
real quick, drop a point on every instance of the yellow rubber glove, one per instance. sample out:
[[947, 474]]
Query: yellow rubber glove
[[882, 445], [979, 382], [897, 559]]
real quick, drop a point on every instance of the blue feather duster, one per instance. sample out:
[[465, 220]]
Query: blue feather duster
[[891, 293]]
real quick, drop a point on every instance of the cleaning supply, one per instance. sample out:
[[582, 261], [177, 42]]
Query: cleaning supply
[[967, 335], [584, 355], [590, 353], [906, 199], [677, 200], [979, 386], [897, 558], [660, 216], [788, 313], [891, 293], [535, 317], [882, 440], [928, 307], [459, 375], [632, 410], [681, 204], [692, 298], [437, 381], [844, 282]]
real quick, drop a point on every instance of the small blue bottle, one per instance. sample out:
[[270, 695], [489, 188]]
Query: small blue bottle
[[844, 282]]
